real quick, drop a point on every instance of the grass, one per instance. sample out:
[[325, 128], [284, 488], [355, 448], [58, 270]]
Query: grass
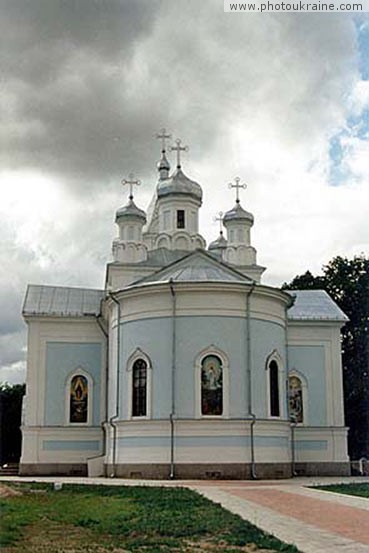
[[361, 490], [134, 519]]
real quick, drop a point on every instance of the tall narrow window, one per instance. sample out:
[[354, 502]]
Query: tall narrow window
[[295, 399], [78, 398], [211, 386], [139, 388], [180, 218], [274, 389]]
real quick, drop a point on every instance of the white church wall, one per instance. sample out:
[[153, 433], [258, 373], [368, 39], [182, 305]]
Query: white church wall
[[57, 347]]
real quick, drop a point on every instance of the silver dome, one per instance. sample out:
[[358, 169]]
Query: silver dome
[[130, 210], [238, 213], [178, 183]]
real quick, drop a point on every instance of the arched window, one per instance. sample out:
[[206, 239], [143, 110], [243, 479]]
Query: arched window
[[296, 399], [211, 385], [274, 389], [139, 388], [78, 399]]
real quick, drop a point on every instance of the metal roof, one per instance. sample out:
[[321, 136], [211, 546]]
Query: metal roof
[[61, 301], [197, 266], [314, 305], [179, 183]]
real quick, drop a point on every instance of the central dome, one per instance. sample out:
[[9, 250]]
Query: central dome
[[178, 183]]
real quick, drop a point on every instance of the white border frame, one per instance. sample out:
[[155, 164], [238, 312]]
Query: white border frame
[[90, 394], [139, 354], [212, 350], [305, 395], [275, 356]]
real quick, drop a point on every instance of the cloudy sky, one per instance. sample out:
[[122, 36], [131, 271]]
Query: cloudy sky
[[280, 100]]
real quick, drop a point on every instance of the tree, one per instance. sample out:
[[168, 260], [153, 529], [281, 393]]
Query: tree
[[11, 397], [347, 282]]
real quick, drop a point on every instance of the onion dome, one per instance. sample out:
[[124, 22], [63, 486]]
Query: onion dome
[[163, 164], [178, 183], [237, 213], [219, 244], [130, 210]]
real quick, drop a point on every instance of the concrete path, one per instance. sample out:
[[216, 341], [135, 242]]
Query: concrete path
[[315, 521]]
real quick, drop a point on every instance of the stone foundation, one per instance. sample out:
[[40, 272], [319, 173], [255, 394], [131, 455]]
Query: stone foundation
[[323, 469], [53, 469]]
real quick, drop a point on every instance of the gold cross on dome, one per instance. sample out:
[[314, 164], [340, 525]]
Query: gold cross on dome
[[131, 183], [220, 219], [237, 186], [179, 149], [163, 136]]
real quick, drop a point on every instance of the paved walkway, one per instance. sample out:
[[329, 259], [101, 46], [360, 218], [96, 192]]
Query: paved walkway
[[315, 521]]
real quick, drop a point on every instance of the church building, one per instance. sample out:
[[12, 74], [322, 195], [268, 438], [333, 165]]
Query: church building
[[185, 365]]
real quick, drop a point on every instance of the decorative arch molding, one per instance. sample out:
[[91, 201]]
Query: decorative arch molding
[[294, 373], [71, 403], [274, 370], [216, 352], [163, 241], [138, 356]]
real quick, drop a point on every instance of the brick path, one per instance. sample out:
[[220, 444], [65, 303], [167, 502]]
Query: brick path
[[315, 521]]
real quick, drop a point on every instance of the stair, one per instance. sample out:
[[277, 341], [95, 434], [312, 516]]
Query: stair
[[9, 469]]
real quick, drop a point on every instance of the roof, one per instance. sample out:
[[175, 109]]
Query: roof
[[237, 213], [61, 301], [314, 305], [179, 183], [130, 210], [198, 266]]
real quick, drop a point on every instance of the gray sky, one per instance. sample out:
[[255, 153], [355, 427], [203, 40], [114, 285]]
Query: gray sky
[[280, 100]]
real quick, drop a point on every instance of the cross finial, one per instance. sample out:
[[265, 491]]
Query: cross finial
[[163, 136], [131, 183], [220, 219], [179, 149], [237, 186]]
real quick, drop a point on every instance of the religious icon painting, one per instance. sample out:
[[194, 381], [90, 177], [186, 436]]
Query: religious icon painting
[[211, 386], [78, 399], [295, 400]]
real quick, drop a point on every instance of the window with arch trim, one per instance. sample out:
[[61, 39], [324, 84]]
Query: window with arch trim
[[211, 383], [139, 370], [139, 388], [274, 388], [78, 399], [297, 397]]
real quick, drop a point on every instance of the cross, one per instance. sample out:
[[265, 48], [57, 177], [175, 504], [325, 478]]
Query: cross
[[131, 182], [163, 136], [179, 149], [237, 186], [220, 219]]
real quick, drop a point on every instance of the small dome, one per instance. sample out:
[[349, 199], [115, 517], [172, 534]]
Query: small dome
[[163, 164], [178, 183], [219, 243], [238, 213], [130, 210]]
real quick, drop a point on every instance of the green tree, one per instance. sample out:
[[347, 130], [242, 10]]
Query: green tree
[[347, 282], [11, 397]]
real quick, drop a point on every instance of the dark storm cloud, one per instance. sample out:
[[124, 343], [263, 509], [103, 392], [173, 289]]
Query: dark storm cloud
[[64, 76]]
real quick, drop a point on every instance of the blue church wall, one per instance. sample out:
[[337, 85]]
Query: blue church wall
[[310, 362], [62, 358], [266, 337], [194, 334]]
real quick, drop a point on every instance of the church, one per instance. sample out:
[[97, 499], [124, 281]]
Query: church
[[185, 365]]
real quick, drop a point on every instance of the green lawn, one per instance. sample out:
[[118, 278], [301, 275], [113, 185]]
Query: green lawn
[[135, 519], [361, 490]]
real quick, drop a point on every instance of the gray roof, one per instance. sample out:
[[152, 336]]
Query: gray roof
[[314, 305], [197, 266], [130, 210], [179, 183], [61, 301], [237, 213]]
